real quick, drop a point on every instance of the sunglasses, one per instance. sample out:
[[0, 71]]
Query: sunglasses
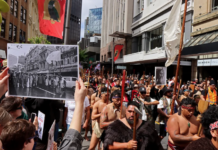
[[143, 92]]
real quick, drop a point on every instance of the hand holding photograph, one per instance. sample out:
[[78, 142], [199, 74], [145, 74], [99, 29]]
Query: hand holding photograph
[[43, 71]]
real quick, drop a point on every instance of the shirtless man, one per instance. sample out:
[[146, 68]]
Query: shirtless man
[[97, 109], [96, 96], [183, 126], [111, 112]]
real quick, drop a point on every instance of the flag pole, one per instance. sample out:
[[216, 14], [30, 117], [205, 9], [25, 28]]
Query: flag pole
[[179, 57], [67, 20]]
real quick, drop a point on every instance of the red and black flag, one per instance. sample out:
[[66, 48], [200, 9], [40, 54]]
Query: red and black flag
[[51, 17], [117, 50]]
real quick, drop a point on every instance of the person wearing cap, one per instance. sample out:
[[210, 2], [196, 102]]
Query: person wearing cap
[[135, 92], [211, 94], [164, 109], [145, 105], [209, 122], [186, 93]]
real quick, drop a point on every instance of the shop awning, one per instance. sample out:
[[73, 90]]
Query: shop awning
[[202, 44]]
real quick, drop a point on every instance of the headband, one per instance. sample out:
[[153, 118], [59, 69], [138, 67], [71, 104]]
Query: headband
[[214, 125], [104, 92], [186, 107], [114, 97]]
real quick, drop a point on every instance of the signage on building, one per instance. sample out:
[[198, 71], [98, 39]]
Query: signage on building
[[208, 62], [183, 63], [121, 67]]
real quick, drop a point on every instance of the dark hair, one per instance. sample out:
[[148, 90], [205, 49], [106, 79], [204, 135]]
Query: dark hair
[[134, 103], [104, 89], [11, 103], [16, 133], [208, 117], [116, 92], [186, 101]]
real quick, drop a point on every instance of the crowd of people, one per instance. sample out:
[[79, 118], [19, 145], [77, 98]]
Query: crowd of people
[[137, 119]]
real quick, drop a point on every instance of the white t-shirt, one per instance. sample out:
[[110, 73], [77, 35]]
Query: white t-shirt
[[71, 107], [144, 116], [161, 106]]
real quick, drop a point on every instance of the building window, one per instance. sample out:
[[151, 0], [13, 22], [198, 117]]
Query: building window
[[139, 43], [14, 33], [15, 8], [12, 7], [3, 28], [156, 38], [104, 57], [10, 31], [214, 5], [24, 16], [21, 14]]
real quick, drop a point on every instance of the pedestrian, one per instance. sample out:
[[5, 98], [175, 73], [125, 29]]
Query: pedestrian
[[119, 134], [183, 126]]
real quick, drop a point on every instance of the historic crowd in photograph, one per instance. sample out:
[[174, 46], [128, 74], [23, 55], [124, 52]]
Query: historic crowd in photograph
[[43, 71]]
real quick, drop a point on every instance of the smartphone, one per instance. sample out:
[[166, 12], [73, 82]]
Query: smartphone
[[33, 115]]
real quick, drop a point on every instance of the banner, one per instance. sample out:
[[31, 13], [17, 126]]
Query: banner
[[50, 145], [51, 17], [41, 120], [172, 33], [117, 50]]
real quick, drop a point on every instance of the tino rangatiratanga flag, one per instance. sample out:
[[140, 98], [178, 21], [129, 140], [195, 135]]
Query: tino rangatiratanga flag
[[117, 50]]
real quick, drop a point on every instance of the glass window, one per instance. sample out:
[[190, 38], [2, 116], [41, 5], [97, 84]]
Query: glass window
[[10, 31], [15, 8], [214, 5], [3, 28], [21, 36], [14, 33], [21, 14], [205, 37], [24, 16], [12, 6], [211, 38], [156, 38]]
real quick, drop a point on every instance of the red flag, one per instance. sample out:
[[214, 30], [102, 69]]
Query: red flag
[[51, 17], [117, 50]]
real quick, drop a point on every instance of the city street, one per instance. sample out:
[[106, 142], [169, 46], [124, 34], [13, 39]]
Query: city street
[[40, 92]]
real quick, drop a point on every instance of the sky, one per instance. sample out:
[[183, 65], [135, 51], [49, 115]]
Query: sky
[[86, 5]]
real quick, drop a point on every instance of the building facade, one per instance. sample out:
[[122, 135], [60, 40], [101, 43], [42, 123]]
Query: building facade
[[33, 24], [74, 24], [14, 23], [147, 51], [202, 47], [116, 17]]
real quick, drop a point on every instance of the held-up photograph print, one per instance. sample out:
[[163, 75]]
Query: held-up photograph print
[[43, 71], [160, 75]]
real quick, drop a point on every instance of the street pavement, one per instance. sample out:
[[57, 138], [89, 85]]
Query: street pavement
[[86, 144]]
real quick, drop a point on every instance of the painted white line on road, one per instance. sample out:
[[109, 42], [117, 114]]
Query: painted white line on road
[[45, 90]]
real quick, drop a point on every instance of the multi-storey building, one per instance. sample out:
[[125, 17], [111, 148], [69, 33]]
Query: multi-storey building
[[14, 23], [116, 21], [149, 18], [33, 24], [74, 24], [202, 48]]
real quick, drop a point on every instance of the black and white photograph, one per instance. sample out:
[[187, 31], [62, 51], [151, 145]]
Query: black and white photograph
[[160, 75], [43, 71]]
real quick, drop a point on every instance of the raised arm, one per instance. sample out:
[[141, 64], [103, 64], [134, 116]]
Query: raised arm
[[104, 118]]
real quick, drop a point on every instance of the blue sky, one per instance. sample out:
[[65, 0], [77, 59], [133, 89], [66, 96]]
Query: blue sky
[[86, 5]]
